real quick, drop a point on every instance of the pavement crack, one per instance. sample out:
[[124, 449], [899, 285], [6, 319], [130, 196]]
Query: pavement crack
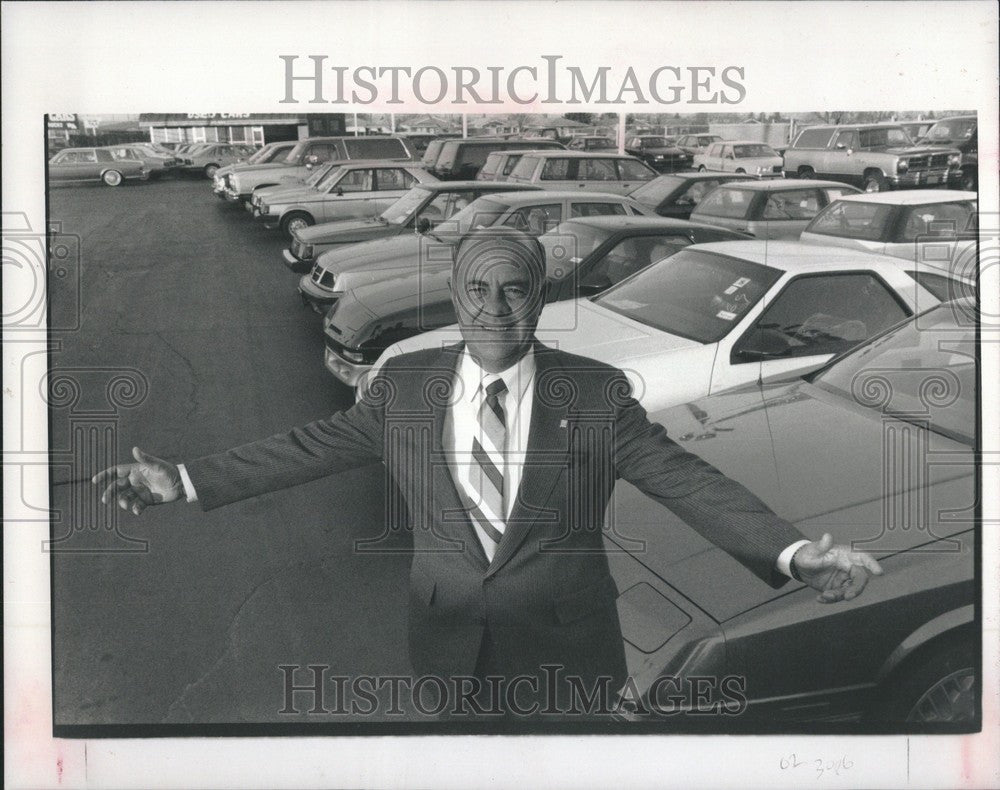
[[193, 396]]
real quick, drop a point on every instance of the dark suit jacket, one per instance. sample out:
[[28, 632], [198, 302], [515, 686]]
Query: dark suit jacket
[[547, 596]]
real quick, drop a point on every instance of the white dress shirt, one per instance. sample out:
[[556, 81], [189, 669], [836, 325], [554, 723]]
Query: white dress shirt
[[462, 424]]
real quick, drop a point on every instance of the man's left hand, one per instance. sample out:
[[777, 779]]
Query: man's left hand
[[839, 573]]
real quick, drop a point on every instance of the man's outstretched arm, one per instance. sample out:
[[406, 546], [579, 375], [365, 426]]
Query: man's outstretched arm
[[346, 440]]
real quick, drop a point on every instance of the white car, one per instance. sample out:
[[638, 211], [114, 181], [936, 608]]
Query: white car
[[935, 226], [740, 156], [715, 316]]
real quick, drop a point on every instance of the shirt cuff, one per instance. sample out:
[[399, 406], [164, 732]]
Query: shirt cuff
[[785, 558], [192, 495]]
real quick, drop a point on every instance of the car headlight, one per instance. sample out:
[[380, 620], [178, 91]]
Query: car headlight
[[902, 166], [353, 356], [954, 160], [264, 208]]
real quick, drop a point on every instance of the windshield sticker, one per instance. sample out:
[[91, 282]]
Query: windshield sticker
[[725, 315], [737, 285]]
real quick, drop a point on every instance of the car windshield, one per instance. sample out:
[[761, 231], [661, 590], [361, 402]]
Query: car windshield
[[653, 192], [654, 142], [695, 294], [753, 149], [599, 144], [852, 219], [400, 211], [883, 137], [568, 244], [324, 176], [728, 202], [708, 139], [922, 371], [483, 212], [262, 155], [956, 130]]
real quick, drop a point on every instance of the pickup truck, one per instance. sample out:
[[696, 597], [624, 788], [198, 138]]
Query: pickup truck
[[876, 157], [306, 154], [961, 132]]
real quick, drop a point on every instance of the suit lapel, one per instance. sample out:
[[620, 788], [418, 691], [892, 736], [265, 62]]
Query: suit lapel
[[546, 456]]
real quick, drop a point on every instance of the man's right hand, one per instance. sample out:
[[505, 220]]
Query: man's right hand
[[149, 481]]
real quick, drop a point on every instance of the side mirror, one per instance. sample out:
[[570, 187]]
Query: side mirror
[[423, 225], [340, 191], [761, 344], [840, 146]]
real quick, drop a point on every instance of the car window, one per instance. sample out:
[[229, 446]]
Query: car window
[[696, 294], [355, 181], [814, 138], [695, 193], [828, 314], [848, 139], [490, 167], [85, 156], [903, 359], [323, 152], [555, 169], [833, 193], [852, 219], [793, 204], [102, 156], [587, 209], [882, 137], [629, 256], [510, 163], [746, 151], [596, 170], [944, 288], [938, 219], [375, 148], [630, 170], [728, 203], [394, 178], [535, 220], [525, 169]]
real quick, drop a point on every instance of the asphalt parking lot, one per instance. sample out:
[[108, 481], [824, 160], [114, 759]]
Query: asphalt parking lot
[[190, 295]]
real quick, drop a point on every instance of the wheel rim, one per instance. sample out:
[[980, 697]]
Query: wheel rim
[[969, 182], [298, 223], [112, 178], [951, 699], [872, 185], [210, 170]]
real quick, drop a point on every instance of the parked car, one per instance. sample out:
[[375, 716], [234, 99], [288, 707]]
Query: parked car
[[875, 157], [418, 141], [421, 209], [768, 209], [352, 190], [677, 194], [158, 161], [937, 226], [915, 129], [582, 170], [499, 164], [592, 142], [740, 156], [209, 158], [95, 164], [658, 152], [533, 211], [460, 160], [961, 132], [720, 315], [310, 153], [272, 152], [694, 144], [832, 452]]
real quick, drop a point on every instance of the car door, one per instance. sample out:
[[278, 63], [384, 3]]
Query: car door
[[556, 172], [942, 234], [535, 219], [350, 196], [785, 213], [599, 174], [63, 166], [632, 174], [810, 318], [391, 183], [838, 160]]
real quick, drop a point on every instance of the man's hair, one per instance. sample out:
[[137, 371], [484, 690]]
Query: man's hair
[[499, 244]]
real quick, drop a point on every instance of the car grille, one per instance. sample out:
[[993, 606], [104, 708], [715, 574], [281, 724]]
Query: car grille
[[322, 277], [931, 161], [776, 169]]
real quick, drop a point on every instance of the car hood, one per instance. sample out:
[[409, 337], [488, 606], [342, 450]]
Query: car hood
[[347, 231], [815, 458], [381, 254], [919, 150], [670, 151], [243, 167], [289, 193]]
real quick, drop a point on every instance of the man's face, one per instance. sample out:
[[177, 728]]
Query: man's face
[[498, 297]]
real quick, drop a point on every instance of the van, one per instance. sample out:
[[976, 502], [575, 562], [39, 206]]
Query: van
[[605, 172], [461, 159]]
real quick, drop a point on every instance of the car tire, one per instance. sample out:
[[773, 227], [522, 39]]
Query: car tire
[[741, 171], [701, 168], [875, 182], [297, 220], [112, 178], [210, 170], [968, 182], [940, 687], [806, 172]]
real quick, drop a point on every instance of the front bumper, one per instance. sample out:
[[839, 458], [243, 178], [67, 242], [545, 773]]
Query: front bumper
[[318, 299], [297, 265], [348, 372], [923, 178]]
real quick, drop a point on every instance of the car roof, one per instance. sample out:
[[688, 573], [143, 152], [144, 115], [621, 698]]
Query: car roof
[[581, 154], [588, 196], [744, 142], [883, 124], [952, 118], [618, 221], [491, 140], [796, 257], [449, 186], [378, 163], [779, 184], [913, 197]]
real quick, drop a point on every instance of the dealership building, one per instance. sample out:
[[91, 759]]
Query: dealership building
[[255, 128]]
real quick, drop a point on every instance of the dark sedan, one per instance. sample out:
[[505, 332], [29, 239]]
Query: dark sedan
[[678, 194], [878, 448], [658, 152], [423, 207]]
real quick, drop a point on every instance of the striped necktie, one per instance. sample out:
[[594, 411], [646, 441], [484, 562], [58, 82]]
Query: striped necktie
[[489, 464]]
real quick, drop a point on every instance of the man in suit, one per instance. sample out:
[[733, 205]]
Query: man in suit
[[506, 452]]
